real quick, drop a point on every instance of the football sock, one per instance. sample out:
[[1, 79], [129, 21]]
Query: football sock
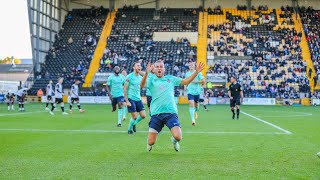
[[192, 111], [12, 107], [70, 106], [139, 118], [130, 124], [232, 110], [124, 111], [8, 106], [120, 112], [205, 107], [47, 104], [174, 140], [62, 108], [238, 112], [79, 107], [53, 106]]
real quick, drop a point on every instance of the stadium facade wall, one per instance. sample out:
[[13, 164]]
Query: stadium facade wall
[[167, 36], [14, 76], [190, 3]]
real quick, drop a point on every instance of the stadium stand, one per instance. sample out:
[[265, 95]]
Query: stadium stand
[[270, 40], [73, 49], [311, 19], [271, 46], [131, 38]]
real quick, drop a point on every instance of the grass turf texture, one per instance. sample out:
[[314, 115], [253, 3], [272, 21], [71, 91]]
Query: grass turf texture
[[222, 153]]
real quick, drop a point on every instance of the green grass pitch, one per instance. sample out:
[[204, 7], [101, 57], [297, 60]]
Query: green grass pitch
[[36, 145]]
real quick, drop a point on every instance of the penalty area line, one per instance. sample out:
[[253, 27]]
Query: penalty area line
[[118, 131], [266, 122]]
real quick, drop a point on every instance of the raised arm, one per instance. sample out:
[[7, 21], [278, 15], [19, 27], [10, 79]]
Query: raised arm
[[145, 75], [189, 79]]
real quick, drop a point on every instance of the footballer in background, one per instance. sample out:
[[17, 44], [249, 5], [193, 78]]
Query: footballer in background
[[10, 100], [21, 95], [115, 92], [74, 93]]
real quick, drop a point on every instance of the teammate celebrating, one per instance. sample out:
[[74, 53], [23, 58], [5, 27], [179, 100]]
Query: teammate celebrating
[[194, 91], [133, 97], [236, 96], [21, 95], [124, 107], [10, 100], [163, 107], [49, 93], [75, 96], [58, 97], [115, 92]]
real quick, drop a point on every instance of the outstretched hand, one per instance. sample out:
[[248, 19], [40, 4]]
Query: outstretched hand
[[200, 67], [149, 67]]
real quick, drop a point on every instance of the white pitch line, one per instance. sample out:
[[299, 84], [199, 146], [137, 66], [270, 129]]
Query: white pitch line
[[21, 113], [266, 122], [118, 131]]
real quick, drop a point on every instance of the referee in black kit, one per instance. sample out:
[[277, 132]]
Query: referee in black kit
[[236, 96]]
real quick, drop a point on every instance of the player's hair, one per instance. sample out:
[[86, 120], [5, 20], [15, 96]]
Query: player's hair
[[136, 63], [159, 61]]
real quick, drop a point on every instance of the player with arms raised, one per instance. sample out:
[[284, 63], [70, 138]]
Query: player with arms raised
[[133, 98], [163, 106], [194, 91], [49, 93], [236, 96], [75, 96], [58, 94], [115, 91]]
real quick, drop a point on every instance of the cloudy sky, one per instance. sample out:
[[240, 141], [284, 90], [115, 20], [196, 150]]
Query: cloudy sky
[[14, 29]]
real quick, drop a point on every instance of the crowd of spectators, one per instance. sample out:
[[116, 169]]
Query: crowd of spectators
[[276, 68], [125, 47], [311, 19]]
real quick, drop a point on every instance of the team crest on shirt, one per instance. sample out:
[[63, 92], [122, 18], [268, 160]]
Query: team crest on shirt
[[168, 80]]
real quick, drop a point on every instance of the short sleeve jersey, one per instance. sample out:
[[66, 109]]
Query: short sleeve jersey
[[22, 92], [235, 90], [194, 88], [74, 91], [116, 85], [49, 89], [133, 81], [58, 90], [162, 92]]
